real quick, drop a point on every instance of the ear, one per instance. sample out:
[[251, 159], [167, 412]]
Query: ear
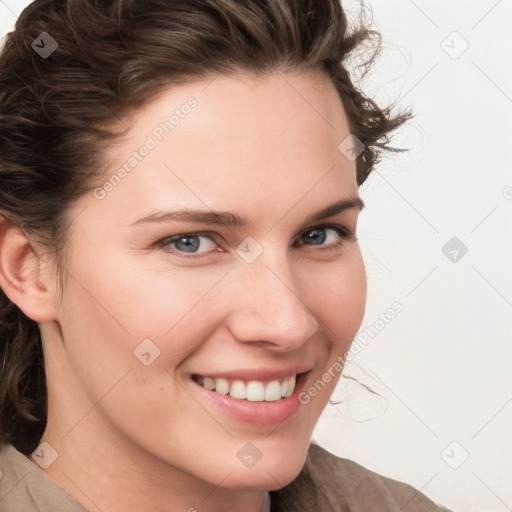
[[24, 277]]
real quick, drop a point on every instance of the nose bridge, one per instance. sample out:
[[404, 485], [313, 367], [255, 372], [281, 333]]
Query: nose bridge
[[269, 307]]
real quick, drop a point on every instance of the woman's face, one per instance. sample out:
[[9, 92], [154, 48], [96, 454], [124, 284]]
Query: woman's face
[[147, 315]]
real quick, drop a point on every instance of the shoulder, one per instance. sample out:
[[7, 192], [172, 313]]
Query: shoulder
[[330, 483], [23, 486]]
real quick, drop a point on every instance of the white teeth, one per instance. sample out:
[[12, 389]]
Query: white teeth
[[291, 386], [222, 386], [254, 391], [238, 390], [209, 383], [273, 391], [284, 387]]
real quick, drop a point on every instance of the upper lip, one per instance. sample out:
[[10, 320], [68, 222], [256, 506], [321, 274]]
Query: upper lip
[[259, 374]]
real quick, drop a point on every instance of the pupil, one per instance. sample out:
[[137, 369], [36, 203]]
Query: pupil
[[187, 245], [313, 235]]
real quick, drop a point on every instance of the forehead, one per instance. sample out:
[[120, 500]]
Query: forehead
[[223, 140], [245, 102]]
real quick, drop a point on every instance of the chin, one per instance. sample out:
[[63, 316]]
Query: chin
[[269, 473]]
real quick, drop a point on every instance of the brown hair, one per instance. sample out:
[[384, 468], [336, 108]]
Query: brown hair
[[57, 114]]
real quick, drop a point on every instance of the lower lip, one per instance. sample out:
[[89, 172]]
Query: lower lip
[[257, 413]]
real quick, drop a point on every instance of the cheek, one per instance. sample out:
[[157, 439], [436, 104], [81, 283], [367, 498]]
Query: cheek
[[126, 303], [339, 300], [337, 296], [105, 320], [108, 312]]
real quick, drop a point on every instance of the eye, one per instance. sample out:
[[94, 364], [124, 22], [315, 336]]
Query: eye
[[189, 243], [186, 242], [317, 236]]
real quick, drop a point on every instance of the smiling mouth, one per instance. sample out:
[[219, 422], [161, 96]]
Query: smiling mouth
[[253, 391]]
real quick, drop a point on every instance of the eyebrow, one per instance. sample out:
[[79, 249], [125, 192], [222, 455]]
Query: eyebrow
[[228, 219]]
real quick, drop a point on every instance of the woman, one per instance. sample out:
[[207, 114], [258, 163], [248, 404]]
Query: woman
[[179, 263]]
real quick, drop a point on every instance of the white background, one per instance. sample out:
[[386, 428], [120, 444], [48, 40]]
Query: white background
[[440, 370]]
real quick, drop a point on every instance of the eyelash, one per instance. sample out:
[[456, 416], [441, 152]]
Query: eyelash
[[343, 233]]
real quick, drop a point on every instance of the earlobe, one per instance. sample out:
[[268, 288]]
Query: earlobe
[[21, 273]]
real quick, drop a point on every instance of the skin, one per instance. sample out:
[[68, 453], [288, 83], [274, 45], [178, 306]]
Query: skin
[[132, 437]]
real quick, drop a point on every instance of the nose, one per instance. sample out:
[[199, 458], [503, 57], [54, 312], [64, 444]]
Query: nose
[[268, 308]]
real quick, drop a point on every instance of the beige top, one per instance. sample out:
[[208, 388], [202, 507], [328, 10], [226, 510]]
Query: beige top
[[326, 484]]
